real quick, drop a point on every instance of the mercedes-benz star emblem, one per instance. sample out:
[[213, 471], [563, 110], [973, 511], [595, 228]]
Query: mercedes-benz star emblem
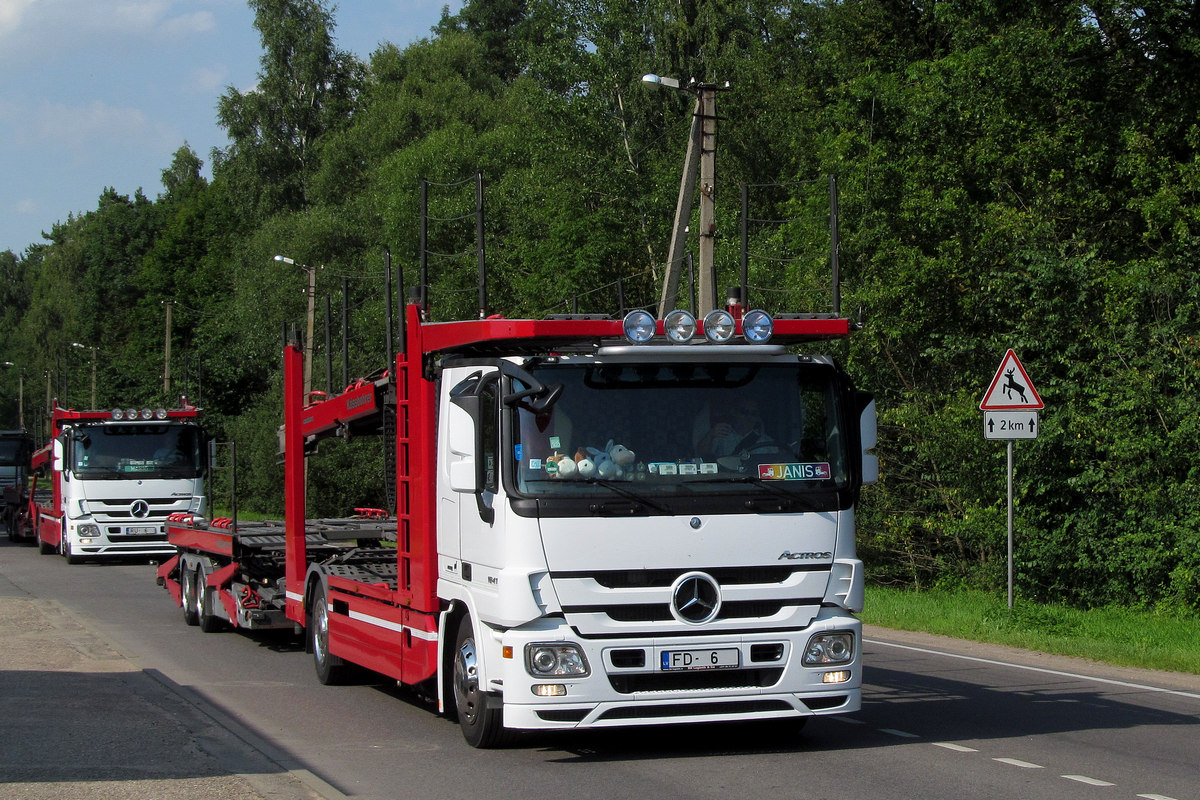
[[696, 598], [139, 509]]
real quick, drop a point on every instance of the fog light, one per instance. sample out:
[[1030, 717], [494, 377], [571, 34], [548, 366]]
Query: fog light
[[549, 689], [841, 676], [718, 326], [639, 326], [757, 326], [85, 541], [680, 326]]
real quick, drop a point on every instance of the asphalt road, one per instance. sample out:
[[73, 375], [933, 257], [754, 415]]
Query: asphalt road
[[104, 692]]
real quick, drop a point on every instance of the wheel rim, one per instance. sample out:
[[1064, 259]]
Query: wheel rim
[[189, 597], [320, 630], [466, 681], [201, 594]]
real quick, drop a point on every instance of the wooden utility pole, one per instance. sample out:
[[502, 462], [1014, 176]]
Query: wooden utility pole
[[701, 157], [167, 353]]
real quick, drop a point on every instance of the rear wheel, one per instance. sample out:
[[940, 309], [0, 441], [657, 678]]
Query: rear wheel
[[205, 597], [191, 609], [331, 670], [43, 547], [482, 725]]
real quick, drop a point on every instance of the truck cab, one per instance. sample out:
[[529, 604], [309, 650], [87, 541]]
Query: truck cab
[[16, 447], [617, 568], [115, 477]]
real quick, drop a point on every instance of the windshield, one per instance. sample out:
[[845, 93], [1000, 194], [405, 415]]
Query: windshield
[[681, 428], [137, 451], [14, 451]]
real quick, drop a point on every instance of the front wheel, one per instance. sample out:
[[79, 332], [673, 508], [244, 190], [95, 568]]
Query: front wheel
[[482, 725]]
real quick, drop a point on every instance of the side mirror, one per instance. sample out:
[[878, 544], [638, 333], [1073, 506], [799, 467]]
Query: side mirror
[[464, 431], [868, 435]]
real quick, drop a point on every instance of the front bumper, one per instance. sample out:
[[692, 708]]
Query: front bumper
[[623, 689]]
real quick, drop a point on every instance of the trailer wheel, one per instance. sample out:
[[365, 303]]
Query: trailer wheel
[[482, 725], [43, 548], [331, 670], [191, 601], [209, 621]]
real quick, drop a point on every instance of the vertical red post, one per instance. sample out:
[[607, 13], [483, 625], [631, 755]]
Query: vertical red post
[[295, 558]]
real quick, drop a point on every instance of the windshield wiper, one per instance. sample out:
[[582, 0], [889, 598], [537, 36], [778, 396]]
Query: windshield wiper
[[619, 488], [616, 487], [788, 497]]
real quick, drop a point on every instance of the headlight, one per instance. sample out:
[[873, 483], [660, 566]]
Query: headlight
[[88, 529], [829, 648], [545, 660]]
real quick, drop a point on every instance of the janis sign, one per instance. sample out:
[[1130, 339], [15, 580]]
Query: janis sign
[[794, 472]]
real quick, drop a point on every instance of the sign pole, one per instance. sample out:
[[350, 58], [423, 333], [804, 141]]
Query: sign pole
[[1010, 411], [1010, 524]]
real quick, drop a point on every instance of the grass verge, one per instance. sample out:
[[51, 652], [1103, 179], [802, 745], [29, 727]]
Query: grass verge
[[1111, 635]]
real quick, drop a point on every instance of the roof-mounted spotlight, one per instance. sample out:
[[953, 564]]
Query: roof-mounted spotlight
[[757, 326], [639, 326], [679, 326], [719, 326]]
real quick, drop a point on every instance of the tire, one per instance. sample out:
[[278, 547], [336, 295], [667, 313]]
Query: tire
[[64, 546], [208, 620], [43, 548], [331, 670], [189, 596], [482, 725]]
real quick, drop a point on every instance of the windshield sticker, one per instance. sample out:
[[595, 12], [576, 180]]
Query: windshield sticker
[[664, 468], [795, 472], [555, 443]]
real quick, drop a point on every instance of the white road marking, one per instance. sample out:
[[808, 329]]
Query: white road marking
[[1018, 763], [1042, 670], [904, 734], [1087, 780], [958, 748], [1155, 797]]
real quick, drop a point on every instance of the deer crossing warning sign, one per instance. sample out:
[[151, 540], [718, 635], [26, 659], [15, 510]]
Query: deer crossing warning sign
[[1011, 389]]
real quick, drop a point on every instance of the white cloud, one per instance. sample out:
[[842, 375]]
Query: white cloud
[[209, 80], [27, 207], [11, 12], [96, 126]]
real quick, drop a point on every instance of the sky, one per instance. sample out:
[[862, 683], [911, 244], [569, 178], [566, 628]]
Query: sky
[[101, 93]]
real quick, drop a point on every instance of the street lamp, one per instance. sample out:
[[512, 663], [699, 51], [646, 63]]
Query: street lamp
[[93, 349], [701, 157], [308, 345], [20, 394]]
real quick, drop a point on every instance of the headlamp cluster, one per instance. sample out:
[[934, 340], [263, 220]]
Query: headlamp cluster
[[135, 414], [680, 326]]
